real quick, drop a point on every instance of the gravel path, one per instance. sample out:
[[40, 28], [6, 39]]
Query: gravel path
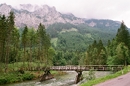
[[123, 80]]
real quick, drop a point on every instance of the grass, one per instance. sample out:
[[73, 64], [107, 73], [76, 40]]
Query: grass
[[17, 65], [103, 79], [54, 41], [69, 30]]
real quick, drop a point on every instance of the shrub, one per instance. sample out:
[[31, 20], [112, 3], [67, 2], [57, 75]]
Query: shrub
[[3, 81], [27, 76]]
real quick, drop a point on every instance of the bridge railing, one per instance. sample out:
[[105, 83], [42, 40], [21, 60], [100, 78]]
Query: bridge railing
[[87, 67], [78, 68]]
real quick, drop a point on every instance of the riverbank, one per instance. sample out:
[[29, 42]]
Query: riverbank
[[13, 74], [15, 77], [103, 79], [67, 79]]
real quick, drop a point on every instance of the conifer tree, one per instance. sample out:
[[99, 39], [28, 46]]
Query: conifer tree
[[24, 41], [122, 54], [40, 40], [7, 27], [96, 54], [44, 43], [12, 37], [123, 35], [32, 42], [15, 45], [3, 37], [118, 48]]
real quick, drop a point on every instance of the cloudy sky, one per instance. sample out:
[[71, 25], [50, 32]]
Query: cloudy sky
[[100, 9]]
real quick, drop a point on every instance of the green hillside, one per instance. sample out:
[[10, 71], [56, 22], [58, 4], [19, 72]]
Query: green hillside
[[68, 37]]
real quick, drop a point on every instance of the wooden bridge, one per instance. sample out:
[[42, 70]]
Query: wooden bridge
[[87, 68], [79, 69]]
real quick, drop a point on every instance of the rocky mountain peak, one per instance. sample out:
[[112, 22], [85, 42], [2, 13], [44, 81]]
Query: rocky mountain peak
[[32, 15], [5, 9], [27, 7]]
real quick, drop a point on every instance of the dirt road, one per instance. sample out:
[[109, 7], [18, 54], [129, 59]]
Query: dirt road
[[123, 80]]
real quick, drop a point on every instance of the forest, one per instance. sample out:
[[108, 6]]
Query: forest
[[71, 47], [115, 53], [26, 47], [20, 49], [29, 46]]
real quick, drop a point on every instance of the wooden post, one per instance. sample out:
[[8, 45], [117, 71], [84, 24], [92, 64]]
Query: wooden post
[[78, 77], [46, 76]]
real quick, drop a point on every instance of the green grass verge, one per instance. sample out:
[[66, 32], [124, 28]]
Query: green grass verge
[[103, 79]]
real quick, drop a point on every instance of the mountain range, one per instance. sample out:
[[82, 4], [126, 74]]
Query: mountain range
[[32, 15], [67, 31]]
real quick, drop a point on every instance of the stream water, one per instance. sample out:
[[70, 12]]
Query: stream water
[[64, 80]]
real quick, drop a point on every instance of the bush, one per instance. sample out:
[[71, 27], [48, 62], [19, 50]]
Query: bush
[[27, 76], [3, 81], [91, 75]]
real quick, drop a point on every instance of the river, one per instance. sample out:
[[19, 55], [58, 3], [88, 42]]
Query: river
[[64, 80]]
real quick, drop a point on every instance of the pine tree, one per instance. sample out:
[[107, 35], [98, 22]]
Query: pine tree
[[15, 45], [40, 40], [118, 48], [94, 43], [123, 35], [44, 43], [122, 54], [24, 41], [3, 37], [32, 42], [7, 27], [96, 54]]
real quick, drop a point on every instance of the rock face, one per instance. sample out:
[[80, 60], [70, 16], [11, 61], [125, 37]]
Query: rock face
[[5, 9], [32, 15]]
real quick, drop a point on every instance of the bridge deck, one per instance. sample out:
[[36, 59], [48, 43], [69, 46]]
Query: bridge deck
[[87, 68], [78, 68]]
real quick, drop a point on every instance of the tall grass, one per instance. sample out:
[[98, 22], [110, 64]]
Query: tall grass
[[18, 65]]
